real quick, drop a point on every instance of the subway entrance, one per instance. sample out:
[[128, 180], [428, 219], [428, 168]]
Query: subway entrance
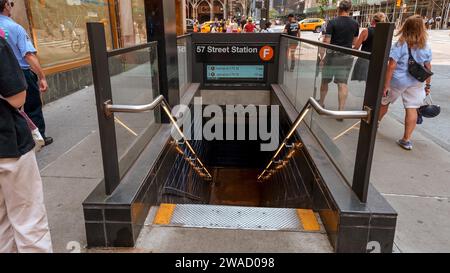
[[160, 175]]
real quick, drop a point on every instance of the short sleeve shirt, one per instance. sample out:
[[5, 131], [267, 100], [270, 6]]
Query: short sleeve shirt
[[249, 27], [342, 29], [399, 53], [15, 136], [292, 29], [17, 38]]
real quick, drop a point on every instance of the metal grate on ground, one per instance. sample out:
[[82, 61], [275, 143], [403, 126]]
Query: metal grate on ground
[[233, 217]]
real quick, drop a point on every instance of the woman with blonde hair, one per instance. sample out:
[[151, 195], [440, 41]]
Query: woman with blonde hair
[[399, 82], [365, 41]]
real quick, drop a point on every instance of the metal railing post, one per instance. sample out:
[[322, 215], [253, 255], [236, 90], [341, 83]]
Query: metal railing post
[[372, 100], [102, 85]]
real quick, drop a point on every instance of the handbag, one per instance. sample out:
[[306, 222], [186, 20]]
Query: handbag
[[418, 71], [37, 137]]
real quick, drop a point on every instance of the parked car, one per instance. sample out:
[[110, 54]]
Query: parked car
[[314, 24]]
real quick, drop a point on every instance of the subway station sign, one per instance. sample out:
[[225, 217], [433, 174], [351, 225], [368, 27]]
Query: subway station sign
[[229, 53]]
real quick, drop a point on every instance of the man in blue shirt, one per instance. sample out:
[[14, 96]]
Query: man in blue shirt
[[23, 49]]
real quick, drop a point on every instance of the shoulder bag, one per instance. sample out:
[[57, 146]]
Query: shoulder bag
[[418, 71]]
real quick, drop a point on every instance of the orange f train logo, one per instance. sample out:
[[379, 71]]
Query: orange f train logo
[[266, 53]]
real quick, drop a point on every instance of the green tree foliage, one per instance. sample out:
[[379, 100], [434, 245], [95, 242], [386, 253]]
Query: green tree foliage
[[273, 13]]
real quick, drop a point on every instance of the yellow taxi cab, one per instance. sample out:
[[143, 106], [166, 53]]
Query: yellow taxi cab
[[206, 27], [314, 24]]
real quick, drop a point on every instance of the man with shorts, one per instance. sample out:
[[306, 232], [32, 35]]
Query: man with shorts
[[292, 28], [342, 31]]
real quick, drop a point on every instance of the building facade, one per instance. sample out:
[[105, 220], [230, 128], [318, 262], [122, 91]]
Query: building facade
[[396, 10], [58, 31], [208, 10], [285, 7]]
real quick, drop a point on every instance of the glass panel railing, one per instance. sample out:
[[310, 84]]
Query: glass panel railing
[[337, 81], [184, 63], [134, 81]]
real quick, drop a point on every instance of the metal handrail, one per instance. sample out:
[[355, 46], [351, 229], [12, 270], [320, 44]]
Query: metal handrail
[[110, 108], [312, 103], [121, 51]]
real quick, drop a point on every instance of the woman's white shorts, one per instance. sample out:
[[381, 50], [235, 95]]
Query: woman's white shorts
[[412, 96]]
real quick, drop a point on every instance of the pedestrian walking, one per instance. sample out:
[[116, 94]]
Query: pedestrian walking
[[249, 27], [399, 82], [23, 49], [438, 21], [235, 26], [196, 28], [243, 22], [23, 218], [267, 28], [365, 41], [342, 31], [292, 28], [430, 23], [62, 30]]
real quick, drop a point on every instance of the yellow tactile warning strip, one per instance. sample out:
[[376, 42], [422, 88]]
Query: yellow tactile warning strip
[[164, 214], [308, 220]]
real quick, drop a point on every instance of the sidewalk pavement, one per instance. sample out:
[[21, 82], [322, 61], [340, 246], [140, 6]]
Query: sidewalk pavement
[[416, 183]]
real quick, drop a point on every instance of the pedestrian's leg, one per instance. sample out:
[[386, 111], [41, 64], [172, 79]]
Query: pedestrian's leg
[[293, 58], [383, 111], [323, 93], [33, 103], [24, 201], [410, 123], [7, 242], [342, 95]]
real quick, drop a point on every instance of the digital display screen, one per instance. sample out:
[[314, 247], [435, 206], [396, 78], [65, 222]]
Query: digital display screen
[[238, 72]]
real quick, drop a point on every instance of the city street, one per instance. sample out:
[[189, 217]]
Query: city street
[[415, 183], [206, 126]]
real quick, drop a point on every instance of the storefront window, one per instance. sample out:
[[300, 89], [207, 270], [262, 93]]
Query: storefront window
[[59, 28], [132, 22]]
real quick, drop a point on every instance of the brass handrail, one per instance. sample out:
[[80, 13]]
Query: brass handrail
[[110, 108], [312, 103]]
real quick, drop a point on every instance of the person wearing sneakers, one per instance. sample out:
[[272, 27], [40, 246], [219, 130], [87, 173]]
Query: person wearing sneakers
[[399, 83]]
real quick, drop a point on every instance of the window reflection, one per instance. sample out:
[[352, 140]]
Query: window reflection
[[132, 22], [59, 27]]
